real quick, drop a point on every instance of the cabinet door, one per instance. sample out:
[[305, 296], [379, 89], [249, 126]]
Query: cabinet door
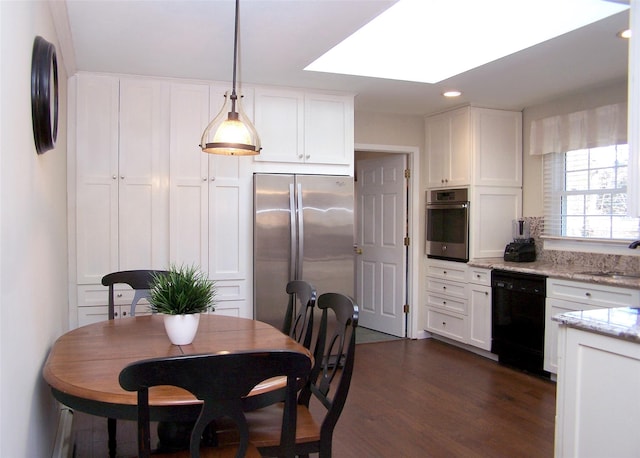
[[458, 163], [328, 129], [437, 145], [96, 177], [480, 316], [143, 168], [492, 211], [497, 150], [279, 120], [189, 175]]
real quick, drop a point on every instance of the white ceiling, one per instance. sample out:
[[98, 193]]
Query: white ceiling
[[278, 38]]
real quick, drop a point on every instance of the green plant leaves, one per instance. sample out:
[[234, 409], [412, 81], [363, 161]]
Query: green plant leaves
[[182, 290]]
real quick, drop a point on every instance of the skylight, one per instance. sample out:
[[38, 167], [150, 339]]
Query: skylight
[[429, 41]]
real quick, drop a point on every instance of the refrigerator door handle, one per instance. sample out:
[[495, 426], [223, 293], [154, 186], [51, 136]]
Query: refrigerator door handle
[[300, 211], [294, 233]]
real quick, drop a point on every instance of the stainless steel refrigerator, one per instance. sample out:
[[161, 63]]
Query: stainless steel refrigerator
[[303, 230]]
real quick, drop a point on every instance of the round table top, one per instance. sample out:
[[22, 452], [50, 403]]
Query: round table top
[[85, 363]]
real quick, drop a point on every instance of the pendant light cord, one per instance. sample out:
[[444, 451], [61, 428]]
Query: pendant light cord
[[234, 97]]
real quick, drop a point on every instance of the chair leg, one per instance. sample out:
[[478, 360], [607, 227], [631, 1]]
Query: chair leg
[[111, 430]]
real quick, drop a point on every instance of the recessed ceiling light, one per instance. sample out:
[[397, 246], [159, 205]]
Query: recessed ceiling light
[[625, 34], [452, 93], [429, 41]]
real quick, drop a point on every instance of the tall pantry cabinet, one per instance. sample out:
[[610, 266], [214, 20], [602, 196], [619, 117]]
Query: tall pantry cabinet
[[142, 194], [479, 149]]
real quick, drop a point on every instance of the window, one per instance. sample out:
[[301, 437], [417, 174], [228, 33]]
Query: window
[[586, 194]]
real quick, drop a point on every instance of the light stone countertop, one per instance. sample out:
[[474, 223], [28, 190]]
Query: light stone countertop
[[577, 272], [621, 322]]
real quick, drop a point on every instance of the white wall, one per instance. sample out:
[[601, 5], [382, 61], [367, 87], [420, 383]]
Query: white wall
[[615, 92], [33, 239]]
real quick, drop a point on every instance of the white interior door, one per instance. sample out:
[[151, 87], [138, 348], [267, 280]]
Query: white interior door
[[381, 194]]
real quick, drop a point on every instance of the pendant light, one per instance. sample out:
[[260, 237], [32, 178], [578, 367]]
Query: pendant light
[[231, 132]]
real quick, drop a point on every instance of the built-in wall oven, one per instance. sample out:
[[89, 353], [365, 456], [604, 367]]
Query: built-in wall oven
[[447, 224]]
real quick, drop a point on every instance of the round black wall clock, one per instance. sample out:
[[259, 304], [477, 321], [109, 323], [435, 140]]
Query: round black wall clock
[[44, 94]]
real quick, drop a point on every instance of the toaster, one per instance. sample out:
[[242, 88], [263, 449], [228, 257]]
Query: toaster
[[520, 251]]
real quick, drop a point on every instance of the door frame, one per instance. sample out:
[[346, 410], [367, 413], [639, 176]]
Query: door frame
[[413, 214]]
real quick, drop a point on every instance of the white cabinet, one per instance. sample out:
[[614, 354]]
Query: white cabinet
[[448, 149], [492, 210], [304, 128], [568, 296], [445, 312], [210, 199], [480, 307], [474, 146], [121, 170], [597, 408]]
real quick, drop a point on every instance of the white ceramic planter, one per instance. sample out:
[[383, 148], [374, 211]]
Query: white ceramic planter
[[181, 329]]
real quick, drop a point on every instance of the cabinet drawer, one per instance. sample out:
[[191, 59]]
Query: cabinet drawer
[[479, 276], [447, 325], [96, 295], [448, 288], [453, 272], [591, 294], [448, 303]]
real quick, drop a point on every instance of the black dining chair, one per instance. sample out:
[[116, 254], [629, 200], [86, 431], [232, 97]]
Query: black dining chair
[[220, 381], [328, 384], [140, 281], [298, 324]]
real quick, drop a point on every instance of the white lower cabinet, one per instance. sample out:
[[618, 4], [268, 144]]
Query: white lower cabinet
[[569, 296], [597, 409], [446, 307], [480, 308]]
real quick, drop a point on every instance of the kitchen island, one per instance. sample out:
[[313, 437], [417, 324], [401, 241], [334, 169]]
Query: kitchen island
[[597, 403]]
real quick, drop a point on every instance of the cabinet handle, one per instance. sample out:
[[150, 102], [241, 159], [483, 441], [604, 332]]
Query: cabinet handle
[[114, 177], [444, 302], [204, 179], [124, 313], [122, 177], [444, 288], [444, 272], [477, 275], [587, 294], [119, 294], [300, 156], [486, 293], [444, 323], [308, 156], [213, 178]]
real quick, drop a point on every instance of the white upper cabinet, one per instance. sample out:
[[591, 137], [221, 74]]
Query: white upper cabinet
[[497, 147], [121, 192], [448, 151], [474, 146], [304, 128], [328, 129]]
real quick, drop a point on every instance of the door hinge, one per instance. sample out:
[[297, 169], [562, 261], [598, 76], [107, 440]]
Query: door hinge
[[406, 308], [407, 241], [407, 173]]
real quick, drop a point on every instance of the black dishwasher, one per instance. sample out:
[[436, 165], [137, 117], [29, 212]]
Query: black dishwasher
[[517, 325]]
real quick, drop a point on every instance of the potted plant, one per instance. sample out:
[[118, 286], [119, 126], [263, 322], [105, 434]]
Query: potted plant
[[181, 295]]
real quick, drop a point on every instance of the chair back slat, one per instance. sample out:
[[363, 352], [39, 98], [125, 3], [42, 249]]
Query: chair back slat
[[298, 322]]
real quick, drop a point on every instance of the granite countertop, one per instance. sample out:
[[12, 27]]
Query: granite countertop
[[621, 322], [575, 272]]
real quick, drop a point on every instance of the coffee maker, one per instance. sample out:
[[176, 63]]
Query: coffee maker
[[523, 248]]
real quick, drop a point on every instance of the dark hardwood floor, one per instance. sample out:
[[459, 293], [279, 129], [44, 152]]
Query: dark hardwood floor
[[415, 398]]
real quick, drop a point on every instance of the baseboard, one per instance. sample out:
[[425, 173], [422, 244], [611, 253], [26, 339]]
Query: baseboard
[[63, 447]]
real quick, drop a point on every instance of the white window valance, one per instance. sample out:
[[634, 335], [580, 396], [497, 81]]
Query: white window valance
[[601, 126]]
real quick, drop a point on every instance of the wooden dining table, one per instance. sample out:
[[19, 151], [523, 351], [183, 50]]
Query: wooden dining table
[[84, 364]]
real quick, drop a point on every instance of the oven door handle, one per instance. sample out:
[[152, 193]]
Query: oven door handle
[[447, 206]]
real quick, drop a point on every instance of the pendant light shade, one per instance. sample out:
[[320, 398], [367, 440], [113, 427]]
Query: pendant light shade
[[231, 133]]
